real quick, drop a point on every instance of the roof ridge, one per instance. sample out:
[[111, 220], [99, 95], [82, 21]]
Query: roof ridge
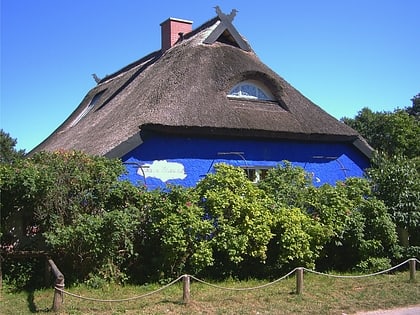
[[201, 27], [153, 55], [157, 53]]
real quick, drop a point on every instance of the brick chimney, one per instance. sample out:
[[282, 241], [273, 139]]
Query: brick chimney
[[171, 29]]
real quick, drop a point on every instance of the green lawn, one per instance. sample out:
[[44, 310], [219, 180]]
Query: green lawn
[[321, 295]]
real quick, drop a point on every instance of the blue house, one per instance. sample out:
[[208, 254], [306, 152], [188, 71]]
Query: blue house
[[206, 98]]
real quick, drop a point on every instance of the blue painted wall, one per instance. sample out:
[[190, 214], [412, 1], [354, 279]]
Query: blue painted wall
[[188, 160]]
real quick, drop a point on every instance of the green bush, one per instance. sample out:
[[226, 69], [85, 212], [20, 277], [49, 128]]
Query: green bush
[[362, 228], [287, 185], [93, 243], [240, 214], [175, 236], [298, 234], [298, 240], [346, 223], [23, 273], [373, 264]]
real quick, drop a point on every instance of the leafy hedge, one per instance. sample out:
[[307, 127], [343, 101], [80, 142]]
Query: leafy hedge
[[99, 228]]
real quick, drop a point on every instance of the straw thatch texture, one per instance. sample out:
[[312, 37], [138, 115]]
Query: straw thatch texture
[[184, 90]]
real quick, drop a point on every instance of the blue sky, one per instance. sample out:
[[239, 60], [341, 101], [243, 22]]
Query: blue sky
[[342, 55]]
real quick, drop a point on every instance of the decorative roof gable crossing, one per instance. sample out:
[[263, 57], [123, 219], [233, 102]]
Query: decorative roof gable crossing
[[226, 25]]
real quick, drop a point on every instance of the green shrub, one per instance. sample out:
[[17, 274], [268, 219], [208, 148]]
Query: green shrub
[[23, 273], [373, 264], [240, 214], [298, 240], [287, 185], [175, 239]]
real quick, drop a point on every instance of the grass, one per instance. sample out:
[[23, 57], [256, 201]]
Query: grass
[[321, 295]]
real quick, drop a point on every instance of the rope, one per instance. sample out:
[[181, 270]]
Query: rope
[[244, 289], [57, 287], [359, 276], [118, 300]]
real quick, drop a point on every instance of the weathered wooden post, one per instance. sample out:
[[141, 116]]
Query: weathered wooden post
[[58, 286], [186, 289], [299, 280], [412, 264]]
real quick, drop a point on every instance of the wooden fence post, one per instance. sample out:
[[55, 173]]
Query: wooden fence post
[[186, 289], [299, 280], [58, 286], [412, 264]]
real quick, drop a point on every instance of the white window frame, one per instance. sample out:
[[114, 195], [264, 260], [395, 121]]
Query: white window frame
[[260, 93]]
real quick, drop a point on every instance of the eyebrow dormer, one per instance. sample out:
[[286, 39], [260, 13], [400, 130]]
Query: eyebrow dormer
[[251, 90]]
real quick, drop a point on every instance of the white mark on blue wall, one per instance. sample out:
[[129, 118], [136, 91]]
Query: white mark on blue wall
[[163, 170]]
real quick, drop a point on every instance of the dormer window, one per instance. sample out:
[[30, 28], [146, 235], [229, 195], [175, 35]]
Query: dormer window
[[250, 90], [88, 108]]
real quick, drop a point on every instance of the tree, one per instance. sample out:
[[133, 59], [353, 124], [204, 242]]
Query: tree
[[396, 167], [8, 153], [414, 110], [390, 132], [397, 182]]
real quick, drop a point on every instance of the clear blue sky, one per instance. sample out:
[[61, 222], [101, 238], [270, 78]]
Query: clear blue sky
[[343, 55]]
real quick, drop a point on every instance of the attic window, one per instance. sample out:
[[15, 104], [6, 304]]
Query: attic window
[[251, 91], [88, 108]]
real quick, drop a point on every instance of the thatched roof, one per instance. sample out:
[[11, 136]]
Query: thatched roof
[[183, 90]]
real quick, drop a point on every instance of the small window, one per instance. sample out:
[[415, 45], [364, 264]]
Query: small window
[[250, 90], [255, 174], [88, 108]]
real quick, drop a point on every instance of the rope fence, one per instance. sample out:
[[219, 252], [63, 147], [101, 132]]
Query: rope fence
[[59, 285], [357, 276], [243, 289], [120, 300]]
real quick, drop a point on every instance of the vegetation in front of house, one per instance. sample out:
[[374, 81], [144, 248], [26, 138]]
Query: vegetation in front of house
[[99, 229]]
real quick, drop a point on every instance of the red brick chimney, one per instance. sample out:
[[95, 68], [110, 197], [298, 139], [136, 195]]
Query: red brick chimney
[[171, 29]]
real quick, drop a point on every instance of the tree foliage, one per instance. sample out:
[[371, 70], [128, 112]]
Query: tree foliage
[[393, 133], [397, 183], [414, 110], [395, 168], [8, 153]]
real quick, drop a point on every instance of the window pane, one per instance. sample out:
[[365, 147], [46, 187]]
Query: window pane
[[248, 90], [261, 95]]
